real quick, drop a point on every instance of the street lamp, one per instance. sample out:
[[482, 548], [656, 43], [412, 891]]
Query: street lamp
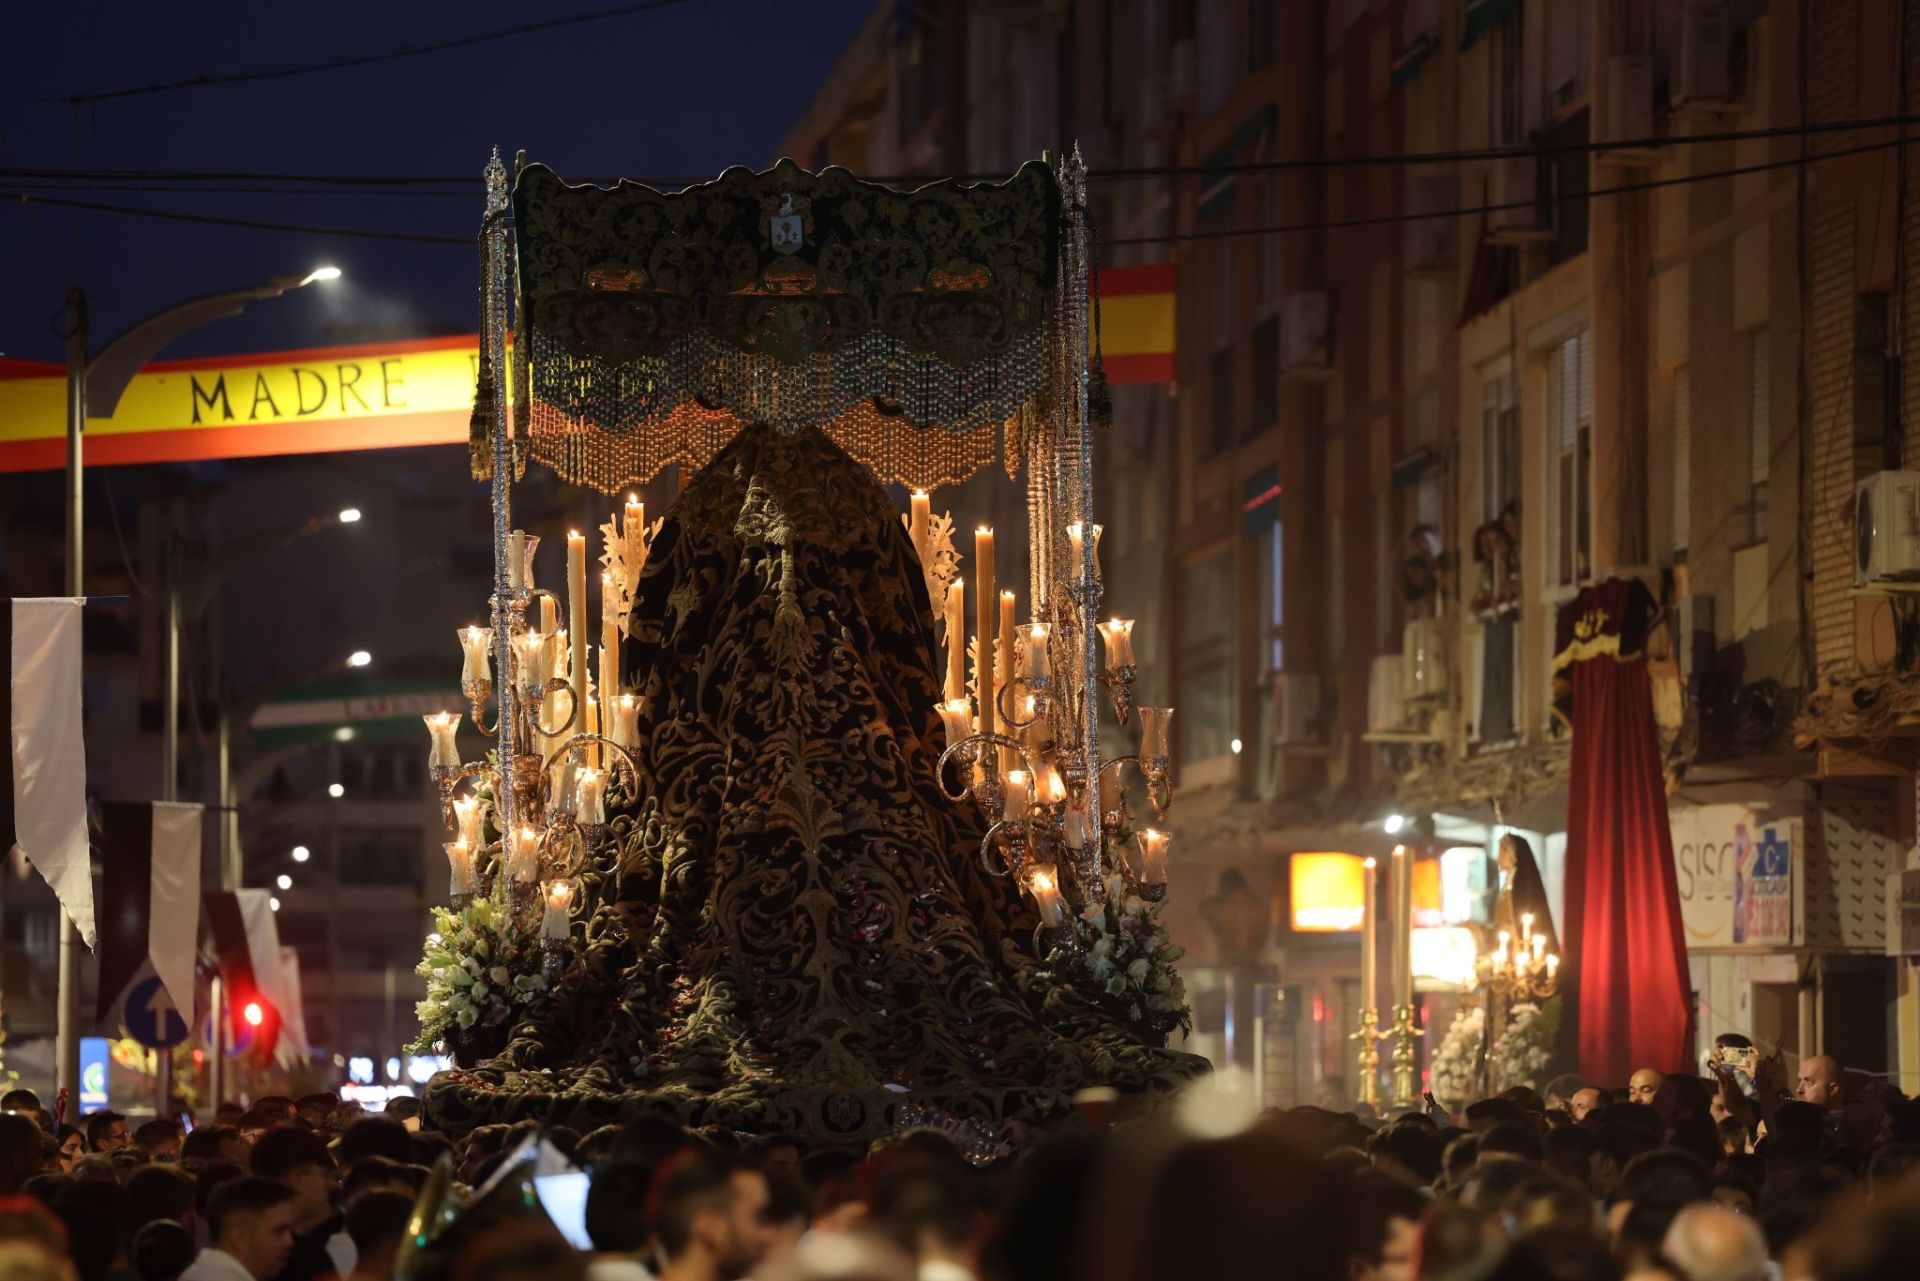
[[95, 383], [283, 881], [301, 853], [359, 658], [348, 515]]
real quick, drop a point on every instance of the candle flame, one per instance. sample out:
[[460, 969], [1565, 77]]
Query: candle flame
[[1042, 882], [1369, 864]]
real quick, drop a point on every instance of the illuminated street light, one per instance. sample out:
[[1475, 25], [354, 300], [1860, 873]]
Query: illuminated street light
[[1394, 823], [336, 790], [359, 658], [301, 853], [254, 1014], [284, 881], [321, 273], [273, 902], [348, 515]]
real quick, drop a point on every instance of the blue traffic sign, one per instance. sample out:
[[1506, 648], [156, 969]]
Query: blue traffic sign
[[151, 1018]]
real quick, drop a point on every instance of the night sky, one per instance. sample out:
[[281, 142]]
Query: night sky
[[684, 90]]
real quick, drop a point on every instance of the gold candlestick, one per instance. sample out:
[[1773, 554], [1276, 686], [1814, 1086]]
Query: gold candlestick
[[1367, 1089]]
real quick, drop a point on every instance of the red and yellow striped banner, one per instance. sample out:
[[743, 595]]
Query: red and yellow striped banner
[[319, 400]]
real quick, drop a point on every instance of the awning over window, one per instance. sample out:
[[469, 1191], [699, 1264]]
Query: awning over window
[[1483, 16], [1412, 58]]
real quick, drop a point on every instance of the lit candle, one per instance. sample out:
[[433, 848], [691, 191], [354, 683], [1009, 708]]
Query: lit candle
[[557, 918], [956, 640], [460, 863], [441, 727], [589, 798], [1500, 952], [633, 527], [625, 730], [523, 857], [1553, 963], [1153, 730], [958, 715], [1369, 938], [467, 813], [1153, 855], [577, 621], [983, 627], [476, 648], [1033, 657], [533, 661], [517, 560], [1539, 948], [1076, 539], [1053, 788], [920, 515], [1526, 925], [1118, 635], [1019, 795], [1044, 885]]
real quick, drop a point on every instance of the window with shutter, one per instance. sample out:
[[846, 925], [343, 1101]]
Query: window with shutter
[[1570, 439]]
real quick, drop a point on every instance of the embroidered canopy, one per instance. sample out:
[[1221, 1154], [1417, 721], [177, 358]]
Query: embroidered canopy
[[912, 326]]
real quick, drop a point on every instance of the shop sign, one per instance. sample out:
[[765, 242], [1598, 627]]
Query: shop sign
[[1737, 868]]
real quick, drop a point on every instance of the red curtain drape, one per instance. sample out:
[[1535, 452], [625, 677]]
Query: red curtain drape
[[1626, 950]]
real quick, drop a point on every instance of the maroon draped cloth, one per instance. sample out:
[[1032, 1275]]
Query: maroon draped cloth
[[1625, 949]]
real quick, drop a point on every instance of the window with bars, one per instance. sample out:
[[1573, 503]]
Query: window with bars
[[1682, 455], [1759, 430], [1499, 446], [1570, 458]]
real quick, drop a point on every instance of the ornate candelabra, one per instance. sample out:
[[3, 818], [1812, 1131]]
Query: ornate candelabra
[[1513, 971], [527, 819]]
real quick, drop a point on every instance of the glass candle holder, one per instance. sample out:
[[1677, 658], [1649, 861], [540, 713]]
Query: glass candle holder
[[1118, 635], [1019, 795], [556, 917], [523, 856], [1043, 882], [589, 798], [476, 657], [957, 714], [1153, 856], [445, 752], [460, 862], [520, 550], [624, 721], [1153, 731], [468, 812]]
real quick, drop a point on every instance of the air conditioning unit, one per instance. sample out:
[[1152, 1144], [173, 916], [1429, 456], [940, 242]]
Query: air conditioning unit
[[1702, 75], [1306, 349], [1387, 695], [1431, 232], [1299, 711], [1519, 218], [1424, 653], [1886, 524], [1629, 110]]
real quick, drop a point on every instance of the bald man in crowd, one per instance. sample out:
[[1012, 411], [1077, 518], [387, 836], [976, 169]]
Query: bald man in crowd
[[1583, 1102], [1709, 1242], [1644, 1086], [1820, 1083]]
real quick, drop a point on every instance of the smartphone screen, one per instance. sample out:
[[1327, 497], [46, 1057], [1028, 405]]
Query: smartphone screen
[[564, 1198]]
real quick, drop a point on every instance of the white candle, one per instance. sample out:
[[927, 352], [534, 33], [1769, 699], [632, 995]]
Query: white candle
[[624, 713], [1053, 788], [1118, 635], [576, 641], [1553, 963], [517, 560], [1033, 655], [1539, 948], [919, 516], [958, 715], [956, 640], [633, 527], [523, 857], [445, 753], [589, 798], [467, 813], [983, 680], [1045, 888], [1153, 855], [1369, 936], [476, 648], [557, 918], [460, 863], [1019, 794]]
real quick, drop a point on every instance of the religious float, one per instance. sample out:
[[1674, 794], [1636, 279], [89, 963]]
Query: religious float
[[758, 861]]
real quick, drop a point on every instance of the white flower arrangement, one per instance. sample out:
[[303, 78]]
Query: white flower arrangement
[[481, 967], [1522, 1056], [1452, 1068], [1127, 954]]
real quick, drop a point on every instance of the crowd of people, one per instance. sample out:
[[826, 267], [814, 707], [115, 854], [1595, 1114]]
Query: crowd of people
[[1730, 1176]]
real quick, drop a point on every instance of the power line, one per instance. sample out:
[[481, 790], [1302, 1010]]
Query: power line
[[471, 182], [1621, 189], [34, 198], [351, 60], [26, 198]]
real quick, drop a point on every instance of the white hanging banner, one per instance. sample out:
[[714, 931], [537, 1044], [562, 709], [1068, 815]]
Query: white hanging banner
[[173, 927], [49, 750]]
